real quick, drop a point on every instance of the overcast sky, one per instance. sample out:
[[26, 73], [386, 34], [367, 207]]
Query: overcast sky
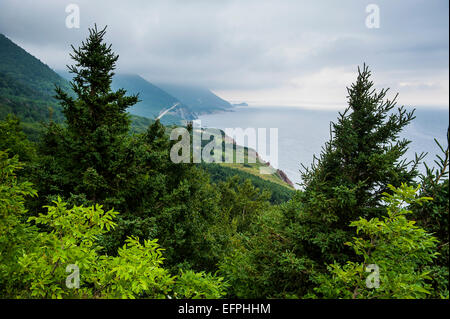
[[298, 53]]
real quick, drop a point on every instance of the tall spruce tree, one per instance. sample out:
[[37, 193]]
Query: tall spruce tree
[[293, 243], [364, 155], [90, 150]]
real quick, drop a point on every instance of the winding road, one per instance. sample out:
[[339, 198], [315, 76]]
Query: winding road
[[165, 111]]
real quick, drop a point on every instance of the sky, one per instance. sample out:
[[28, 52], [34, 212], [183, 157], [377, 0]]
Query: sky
[[274, 53]]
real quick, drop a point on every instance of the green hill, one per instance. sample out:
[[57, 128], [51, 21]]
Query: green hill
[[200, 100], [27, 87], [26, 70]]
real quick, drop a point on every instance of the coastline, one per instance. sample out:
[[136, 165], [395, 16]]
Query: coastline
[[278, 172]]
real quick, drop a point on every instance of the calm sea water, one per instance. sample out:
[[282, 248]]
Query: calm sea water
[[303, 132]]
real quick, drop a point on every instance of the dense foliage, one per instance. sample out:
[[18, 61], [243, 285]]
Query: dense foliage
[[290, 245], [279, 193], [433, 216], [34, 263], [206, 230], [394, 247]]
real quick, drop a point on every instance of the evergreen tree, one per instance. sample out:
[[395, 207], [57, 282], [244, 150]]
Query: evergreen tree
[[363, 156], [364, 153], [89, 151], [347, 180], [433, 216], [393, 247]]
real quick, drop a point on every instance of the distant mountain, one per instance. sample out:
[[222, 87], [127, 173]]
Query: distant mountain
[[154, 100], [240, 104], [200, 100], [27, 87]]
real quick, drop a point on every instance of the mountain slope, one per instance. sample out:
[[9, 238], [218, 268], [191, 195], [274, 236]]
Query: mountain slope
[[153, 99], [26, 70], [27, 87], [26, 84], [199, 100]]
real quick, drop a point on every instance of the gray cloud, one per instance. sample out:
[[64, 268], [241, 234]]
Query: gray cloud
[[244, 47]]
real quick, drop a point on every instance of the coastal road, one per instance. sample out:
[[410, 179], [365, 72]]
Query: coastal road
[[165, 111]]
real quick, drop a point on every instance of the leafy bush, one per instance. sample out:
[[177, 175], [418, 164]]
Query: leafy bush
[[433, 216], [394, 245], [69, 237]]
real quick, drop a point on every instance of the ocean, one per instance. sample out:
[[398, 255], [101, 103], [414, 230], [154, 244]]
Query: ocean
[[303, 132]]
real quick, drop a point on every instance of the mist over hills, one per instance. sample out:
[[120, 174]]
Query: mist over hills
[[153, 100], [199, 99], [27, 87], [190, 101]]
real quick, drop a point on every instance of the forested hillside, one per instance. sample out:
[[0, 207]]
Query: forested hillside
[[94, 195], [27, 87]]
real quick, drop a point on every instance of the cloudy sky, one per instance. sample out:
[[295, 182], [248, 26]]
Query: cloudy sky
[[297, 53]]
